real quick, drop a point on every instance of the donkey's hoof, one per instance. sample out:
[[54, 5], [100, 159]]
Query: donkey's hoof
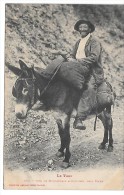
[[102, 147], [110, 149], [65, 165], [59, 154]]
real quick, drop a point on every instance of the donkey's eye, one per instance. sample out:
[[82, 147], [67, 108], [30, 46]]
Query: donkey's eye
[[24, 91]]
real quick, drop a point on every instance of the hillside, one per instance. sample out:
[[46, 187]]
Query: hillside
[[32, 31]]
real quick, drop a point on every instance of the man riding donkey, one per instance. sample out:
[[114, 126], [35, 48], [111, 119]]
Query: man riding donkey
[[86, 52]]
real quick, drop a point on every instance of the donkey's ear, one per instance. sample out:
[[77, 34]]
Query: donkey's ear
[[23, 66], [14, 69]]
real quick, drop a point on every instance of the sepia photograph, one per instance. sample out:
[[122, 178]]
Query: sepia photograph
[[64, 96]]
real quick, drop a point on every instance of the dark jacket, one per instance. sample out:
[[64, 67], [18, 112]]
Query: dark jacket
[[93, 51]]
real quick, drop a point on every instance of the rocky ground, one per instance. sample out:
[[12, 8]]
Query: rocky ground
[[32, 32]]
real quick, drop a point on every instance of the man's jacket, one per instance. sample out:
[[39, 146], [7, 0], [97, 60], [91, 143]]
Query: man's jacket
[[93, 51]]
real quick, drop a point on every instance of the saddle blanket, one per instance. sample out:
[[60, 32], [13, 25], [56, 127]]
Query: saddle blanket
[[73, 73]]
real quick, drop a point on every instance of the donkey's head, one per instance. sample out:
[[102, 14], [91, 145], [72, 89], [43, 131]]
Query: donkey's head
[[24, 89]]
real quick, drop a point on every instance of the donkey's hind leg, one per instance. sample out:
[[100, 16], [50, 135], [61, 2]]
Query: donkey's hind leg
[[109, 122], [102, 117], [106, 119]]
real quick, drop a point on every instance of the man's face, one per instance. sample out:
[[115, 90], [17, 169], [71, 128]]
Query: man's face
[[84, 30]]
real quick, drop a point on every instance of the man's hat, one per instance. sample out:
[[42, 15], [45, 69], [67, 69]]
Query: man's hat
[[76, 26]]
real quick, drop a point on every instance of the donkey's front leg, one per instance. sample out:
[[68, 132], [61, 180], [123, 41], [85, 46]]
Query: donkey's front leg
[[67, 140], [60, 152], [64, 132]]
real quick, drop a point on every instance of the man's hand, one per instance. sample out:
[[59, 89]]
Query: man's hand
[[71, 60], [58, 52], [63, 53]]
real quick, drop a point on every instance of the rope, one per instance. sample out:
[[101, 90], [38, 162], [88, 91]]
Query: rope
[[95, 123], [96, 108]]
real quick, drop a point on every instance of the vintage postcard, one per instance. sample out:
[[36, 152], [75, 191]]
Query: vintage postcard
[[63, 123]]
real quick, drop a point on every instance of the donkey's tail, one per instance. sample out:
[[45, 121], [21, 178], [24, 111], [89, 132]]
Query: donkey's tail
[[113, 94]]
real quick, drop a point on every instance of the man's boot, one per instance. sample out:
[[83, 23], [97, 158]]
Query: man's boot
[[78, 124], [84, 108]]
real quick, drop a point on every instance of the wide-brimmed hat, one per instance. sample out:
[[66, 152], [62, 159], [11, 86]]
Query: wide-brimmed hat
[[76, 26]]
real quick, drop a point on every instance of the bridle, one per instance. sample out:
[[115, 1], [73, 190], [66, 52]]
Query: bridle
[[32, 80]]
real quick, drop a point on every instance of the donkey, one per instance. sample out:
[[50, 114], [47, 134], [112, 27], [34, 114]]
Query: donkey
[[59, 96]]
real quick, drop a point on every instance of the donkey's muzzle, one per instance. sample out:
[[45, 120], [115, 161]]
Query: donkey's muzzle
[[21, 111], [20, 116]]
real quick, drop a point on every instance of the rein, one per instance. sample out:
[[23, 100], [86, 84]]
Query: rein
[[49, 82]]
